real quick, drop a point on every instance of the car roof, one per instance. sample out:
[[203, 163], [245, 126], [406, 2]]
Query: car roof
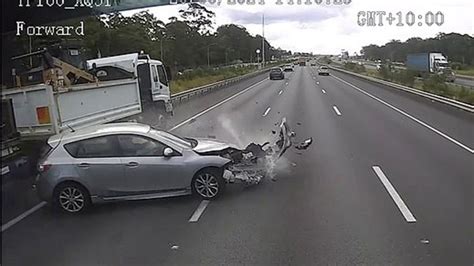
[[98, 130]]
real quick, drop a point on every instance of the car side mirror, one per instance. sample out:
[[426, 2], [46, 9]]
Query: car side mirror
[[168, 152]]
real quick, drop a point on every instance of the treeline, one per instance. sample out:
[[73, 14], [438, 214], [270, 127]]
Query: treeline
[[188, 40], [457, 47]]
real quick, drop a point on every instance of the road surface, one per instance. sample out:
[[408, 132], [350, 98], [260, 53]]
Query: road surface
[[388, 180]]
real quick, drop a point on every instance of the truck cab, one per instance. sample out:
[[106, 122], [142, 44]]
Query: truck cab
[[153, 77], [154, 82], [438, 63]]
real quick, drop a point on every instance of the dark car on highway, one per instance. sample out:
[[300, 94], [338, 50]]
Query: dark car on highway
[[276, 73]]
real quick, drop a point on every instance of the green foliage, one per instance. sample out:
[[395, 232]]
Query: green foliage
[[203, 76], [354, 67], [404, 77], [436, 84], [186, 41], [384, 72], [457, 47]]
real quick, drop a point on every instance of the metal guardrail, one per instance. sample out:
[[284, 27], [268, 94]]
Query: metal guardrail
[[183, 96], [465, 77], [464, 106]]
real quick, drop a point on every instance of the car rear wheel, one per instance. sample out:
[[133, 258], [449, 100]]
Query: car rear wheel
[[71, 198], [208, 184]]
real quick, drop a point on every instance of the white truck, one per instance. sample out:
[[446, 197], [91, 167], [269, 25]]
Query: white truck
[[124, 87], [430, 63]]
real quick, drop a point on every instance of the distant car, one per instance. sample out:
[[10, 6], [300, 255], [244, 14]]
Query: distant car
[[277, 73], [313, 64], [288, 68], [323, 70], [132, 161]]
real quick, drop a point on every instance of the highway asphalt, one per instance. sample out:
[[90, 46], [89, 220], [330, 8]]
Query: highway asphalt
[[387, 181]]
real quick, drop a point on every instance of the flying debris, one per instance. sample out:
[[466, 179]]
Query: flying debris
[[256, 161], [305, 144]]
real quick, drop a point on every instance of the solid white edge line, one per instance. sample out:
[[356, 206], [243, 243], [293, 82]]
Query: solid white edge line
[[198, 212], [23, 216], [215, 105], [336, 110], [410, 116], [266, 111], [323, 91], [395, 197]]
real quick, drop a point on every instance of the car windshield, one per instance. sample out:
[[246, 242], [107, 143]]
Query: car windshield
[[246, 132], [173, 138]]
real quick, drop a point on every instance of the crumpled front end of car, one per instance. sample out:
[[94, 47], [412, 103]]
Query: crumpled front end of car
[[256, 161]]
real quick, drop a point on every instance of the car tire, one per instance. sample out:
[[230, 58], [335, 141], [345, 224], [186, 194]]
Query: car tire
[[208, 183], [71, 198]]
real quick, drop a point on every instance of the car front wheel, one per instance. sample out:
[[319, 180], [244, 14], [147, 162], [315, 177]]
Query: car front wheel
[[71, 198], [208, 184]]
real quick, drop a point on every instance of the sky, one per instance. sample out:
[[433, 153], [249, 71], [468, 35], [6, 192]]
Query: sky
[[329, 28]]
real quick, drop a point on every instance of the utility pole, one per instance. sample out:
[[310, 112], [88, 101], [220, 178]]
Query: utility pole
[[208, 55], [208, 58], [263, 40], [161, 49]]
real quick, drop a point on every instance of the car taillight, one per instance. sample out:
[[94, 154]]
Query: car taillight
[[42, 168]]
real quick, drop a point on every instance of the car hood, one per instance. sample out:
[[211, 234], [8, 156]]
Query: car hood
[[208, 145]]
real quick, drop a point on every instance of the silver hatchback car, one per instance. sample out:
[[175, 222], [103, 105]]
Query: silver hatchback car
[[126, 161]]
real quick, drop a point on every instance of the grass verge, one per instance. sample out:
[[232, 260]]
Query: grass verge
[[203, 76], [433, 84]]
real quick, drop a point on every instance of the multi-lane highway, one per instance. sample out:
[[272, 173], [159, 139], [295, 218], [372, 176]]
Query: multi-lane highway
[[388, 180]]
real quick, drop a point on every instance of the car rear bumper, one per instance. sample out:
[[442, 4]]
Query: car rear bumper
[[43, 189], [277, 77]]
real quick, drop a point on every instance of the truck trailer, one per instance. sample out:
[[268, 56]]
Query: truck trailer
[[430, 63], [58, 96]]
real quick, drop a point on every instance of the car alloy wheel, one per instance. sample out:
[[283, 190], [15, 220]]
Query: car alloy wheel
[[71, 199], [206, 185]]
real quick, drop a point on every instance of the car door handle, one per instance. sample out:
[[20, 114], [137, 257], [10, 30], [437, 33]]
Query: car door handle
[[132, 164], [84, 165]]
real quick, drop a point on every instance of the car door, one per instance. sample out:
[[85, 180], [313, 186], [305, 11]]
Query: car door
[[164, 86], [146, 169], [98, 164]]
